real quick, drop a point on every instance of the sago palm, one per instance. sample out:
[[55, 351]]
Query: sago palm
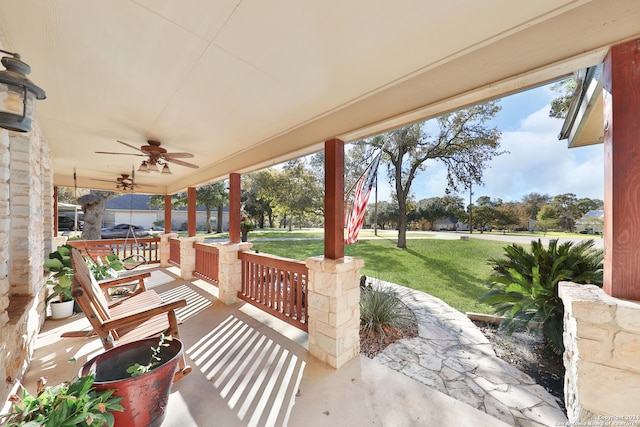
[[524, 285]]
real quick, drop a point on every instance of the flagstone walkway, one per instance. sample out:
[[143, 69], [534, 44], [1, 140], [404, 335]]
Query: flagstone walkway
[[451, 355]]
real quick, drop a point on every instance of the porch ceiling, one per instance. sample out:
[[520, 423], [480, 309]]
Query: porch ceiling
[[248, 84]]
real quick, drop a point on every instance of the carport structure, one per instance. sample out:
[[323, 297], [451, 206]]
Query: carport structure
[[243, 85]]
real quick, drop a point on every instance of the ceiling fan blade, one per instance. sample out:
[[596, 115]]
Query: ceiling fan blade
[[178, 155], [124, 154], [104, 180], [129, 145], [180, 162]]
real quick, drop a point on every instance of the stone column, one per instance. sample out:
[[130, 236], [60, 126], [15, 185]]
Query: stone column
[[188, 256], [602, 343], [164, 248], [230, 271], [333, 304]]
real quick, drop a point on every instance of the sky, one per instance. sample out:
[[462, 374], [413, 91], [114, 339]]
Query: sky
[[536, 162]]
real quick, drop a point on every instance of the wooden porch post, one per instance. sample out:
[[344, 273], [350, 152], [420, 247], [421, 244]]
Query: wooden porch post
[[191, 211], [55, 211], [167, 213], [334, 199], [234, 208], [621, 97]]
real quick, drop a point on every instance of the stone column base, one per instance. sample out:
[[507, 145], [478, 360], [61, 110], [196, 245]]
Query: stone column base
[[333, 307], [164, 248], [230, 271], [602, 344], [188, 256]]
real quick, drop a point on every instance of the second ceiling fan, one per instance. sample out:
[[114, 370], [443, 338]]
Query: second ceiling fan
[[156, 156]]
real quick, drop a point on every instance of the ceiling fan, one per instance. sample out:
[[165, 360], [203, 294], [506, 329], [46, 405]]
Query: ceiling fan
[[156, 156], [124, 182]]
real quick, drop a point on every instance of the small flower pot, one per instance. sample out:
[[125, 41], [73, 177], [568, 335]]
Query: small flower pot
[[145, 397], [61, 310]]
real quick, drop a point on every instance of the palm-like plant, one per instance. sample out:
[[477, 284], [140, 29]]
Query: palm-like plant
[[525, 284]]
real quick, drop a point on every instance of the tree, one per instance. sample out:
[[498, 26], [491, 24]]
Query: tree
[[387, 214], [585, 205], [431, 210], [462, 142], [258, 196], [93, 207], [70, 195], [533, 202], [484, 216], [560, 105], [566, 205], [507, 214], [547, 219], [210, 196], [297, 192]]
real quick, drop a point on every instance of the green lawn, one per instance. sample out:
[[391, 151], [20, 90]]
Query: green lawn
[[452, 270]]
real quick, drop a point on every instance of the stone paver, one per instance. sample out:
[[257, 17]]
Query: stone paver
[[451, 355]]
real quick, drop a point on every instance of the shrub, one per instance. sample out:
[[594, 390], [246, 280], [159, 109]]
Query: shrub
[[525, 284], [382, 312]]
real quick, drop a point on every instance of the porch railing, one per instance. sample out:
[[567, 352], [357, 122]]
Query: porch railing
[[276, 285], [148, 247], [206, 262], [174, 251]]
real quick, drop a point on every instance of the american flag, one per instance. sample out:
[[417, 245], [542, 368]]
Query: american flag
[[355, 215]]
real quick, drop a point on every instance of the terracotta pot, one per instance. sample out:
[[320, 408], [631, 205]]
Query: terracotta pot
[[145, 396]]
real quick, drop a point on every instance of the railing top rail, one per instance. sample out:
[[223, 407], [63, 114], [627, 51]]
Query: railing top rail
[[273, 261], [113, 241], [205, 247]]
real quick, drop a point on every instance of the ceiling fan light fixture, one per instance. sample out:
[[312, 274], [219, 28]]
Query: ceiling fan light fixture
[[143, 167], [166, 170], [152, 167]]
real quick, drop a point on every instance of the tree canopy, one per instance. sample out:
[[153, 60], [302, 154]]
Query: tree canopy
[[461, 140]]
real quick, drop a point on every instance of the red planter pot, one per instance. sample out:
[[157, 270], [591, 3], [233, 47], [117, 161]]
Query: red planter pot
[[145, 397]]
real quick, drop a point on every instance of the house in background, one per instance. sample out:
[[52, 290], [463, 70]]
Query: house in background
[[591, 223], [134, 209]]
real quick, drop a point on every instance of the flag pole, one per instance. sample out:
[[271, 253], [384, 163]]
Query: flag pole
[[375, 209]]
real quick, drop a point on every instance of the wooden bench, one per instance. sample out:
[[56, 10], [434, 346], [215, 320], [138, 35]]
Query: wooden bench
[[128, 319], [99, 252]]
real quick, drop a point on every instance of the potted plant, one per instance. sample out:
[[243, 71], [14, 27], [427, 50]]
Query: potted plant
[[72, 403], [61, 279], [144, 387], [245, 227]]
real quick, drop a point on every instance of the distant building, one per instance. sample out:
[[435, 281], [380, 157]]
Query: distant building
[[134, 209], [591, 223]]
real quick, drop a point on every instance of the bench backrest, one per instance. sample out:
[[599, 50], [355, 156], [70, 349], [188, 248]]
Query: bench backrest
[[88, 293]]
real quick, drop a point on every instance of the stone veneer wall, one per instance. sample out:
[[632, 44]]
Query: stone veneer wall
[[602, 356], [26, 235]]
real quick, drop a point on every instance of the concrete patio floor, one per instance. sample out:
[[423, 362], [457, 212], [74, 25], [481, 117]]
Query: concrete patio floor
[[250, 369]]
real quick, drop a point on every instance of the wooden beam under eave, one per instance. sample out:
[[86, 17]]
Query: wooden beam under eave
[[234, 207], [191, 211], [167, 213], [621, 98], [334, 199]]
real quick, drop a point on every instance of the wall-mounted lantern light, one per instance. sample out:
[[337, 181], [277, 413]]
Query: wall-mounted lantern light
[[17, 94]]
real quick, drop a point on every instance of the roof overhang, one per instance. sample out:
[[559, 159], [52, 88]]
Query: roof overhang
[[244, 85], [584, 124]]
